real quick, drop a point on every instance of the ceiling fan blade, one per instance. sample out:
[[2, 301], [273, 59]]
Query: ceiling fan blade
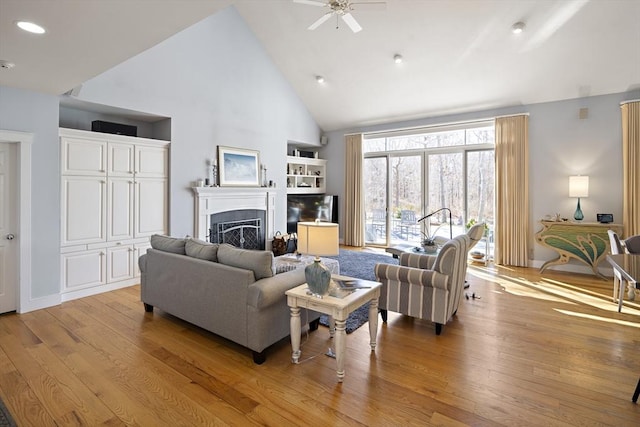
[[369, 5], [351, 22], [310, 2], [320, 21]]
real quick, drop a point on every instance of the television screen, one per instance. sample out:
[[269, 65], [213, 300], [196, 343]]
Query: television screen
[[309, 207]]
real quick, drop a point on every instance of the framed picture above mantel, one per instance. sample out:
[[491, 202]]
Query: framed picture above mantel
[[238, 167]]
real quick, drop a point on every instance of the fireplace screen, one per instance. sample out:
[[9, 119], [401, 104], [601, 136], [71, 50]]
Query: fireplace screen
[[242, 234], [243, 228]]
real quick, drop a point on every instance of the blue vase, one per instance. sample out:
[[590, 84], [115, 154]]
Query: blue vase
[[318, 277], [578, 216]]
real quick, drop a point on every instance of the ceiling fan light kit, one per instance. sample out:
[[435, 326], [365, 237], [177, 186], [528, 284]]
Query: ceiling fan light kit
[[341, 9], [518, 27]]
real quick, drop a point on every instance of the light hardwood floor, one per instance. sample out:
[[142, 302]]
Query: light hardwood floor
[[531, 351]]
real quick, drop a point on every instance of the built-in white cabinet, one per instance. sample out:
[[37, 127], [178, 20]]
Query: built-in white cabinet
[[111, 204], [82, 156], [306, 175]]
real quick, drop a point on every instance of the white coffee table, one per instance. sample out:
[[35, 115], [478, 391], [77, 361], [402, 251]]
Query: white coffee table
[[338, 309]]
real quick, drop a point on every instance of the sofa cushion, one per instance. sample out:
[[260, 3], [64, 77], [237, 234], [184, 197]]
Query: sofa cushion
[[260, 262], [197, 248], [168, 244]]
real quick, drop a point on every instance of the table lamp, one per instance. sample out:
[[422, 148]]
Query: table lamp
[[578, 187], [318, 239]]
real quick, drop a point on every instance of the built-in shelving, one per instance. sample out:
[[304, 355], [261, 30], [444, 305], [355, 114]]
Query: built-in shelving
[[306, 175]]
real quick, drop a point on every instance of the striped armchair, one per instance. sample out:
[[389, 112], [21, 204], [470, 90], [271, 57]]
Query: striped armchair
[[425, 286]]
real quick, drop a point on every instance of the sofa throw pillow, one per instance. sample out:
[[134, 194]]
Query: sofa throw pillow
[[200, 249], [260, 262], [168, 244]]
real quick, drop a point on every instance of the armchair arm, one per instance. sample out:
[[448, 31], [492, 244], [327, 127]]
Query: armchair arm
[[411, 275], [417, 260]]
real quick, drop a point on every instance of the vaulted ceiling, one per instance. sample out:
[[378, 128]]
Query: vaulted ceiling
[[458, 55]]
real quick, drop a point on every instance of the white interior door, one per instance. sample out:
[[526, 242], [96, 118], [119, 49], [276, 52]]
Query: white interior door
[[8, 228]]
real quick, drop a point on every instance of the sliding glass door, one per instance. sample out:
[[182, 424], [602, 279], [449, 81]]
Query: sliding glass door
[[405, 199], [375, 202], [409, 174]]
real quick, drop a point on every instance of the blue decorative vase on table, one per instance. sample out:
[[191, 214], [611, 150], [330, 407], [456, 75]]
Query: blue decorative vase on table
[[318, 239], [318, 277]]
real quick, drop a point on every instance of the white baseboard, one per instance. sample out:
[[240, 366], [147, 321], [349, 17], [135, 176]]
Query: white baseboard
[[40, 303], [87, 292], [604, 268]]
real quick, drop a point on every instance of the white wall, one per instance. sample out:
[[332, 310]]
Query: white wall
[[219, 87], [35, 113], [560, 144]]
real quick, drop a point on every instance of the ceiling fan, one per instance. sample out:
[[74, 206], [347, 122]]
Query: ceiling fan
[[339, 8]]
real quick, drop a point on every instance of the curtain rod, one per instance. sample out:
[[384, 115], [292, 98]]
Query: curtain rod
[[426, 126], [511, 115], [629, 102]]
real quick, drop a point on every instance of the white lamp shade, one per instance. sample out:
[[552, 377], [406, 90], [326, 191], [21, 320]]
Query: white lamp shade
[[318, 238], [579, 186]]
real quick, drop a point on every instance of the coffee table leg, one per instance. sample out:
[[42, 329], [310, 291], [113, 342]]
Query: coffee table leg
[[295, 334], [340, 339], [332, 326], [373, 323]]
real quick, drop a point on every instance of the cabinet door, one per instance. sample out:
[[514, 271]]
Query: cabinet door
[[119, 263], [151, 207], [121, 208], [121, 159], [151, 162], [83, 210], [83, 157], [83, 269]]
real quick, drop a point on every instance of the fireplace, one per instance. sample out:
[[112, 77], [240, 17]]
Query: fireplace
[[243, 217]]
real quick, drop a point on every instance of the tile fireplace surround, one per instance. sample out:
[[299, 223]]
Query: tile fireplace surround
[[212, 200]]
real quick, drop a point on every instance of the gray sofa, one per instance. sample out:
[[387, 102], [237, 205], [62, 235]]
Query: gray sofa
[[229, 291]]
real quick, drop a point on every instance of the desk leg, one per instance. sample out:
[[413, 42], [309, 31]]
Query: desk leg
[[340, 339], [373, 323], [623, 285], [295, 334]]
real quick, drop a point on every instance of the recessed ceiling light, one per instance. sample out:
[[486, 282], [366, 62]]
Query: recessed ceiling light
[[518, 27], [30, 27], [320, 79], [397, 58]]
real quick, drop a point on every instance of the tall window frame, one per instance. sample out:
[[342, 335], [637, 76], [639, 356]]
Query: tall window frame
[[465, 140]]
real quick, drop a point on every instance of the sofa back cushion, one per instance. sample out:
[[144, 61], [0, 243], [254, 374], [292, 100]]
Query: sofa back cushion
[[260, 262], [168, 244], [197, 248]]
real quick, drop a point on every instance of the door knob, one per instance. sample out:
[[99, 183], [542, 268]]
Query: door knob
[[10, 237]]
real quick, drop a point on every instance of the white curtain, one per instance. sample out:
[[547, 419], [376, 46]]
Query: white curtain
[[353, 192], [631, 168], [512, 238]]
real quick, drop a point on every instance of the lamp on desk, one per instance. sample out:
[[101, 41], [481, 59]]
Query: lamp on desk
[[318, 239], [578, 187]]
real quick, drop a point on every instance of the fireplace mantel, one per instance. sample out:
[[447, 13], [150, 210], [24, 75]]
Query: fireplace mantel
[[212, 200]]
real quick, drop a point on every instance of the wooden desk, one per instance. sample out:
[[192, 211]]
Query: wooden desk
[[587, 242]]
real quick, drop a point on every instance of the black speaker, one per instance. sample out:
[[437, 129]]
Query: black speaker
[[115, 128]]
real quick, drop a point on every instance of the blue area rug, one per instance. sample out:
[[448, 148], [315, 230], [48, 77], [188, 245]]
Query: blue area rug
[[358, 264], [5, 416]]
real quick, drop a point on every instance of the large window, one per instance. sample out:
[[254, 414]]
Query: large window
[[411, 173]]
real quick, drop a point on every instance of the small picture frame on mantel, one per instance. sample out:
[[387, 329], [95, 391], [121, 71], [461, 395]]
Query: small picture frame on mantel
[[238, 167]]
